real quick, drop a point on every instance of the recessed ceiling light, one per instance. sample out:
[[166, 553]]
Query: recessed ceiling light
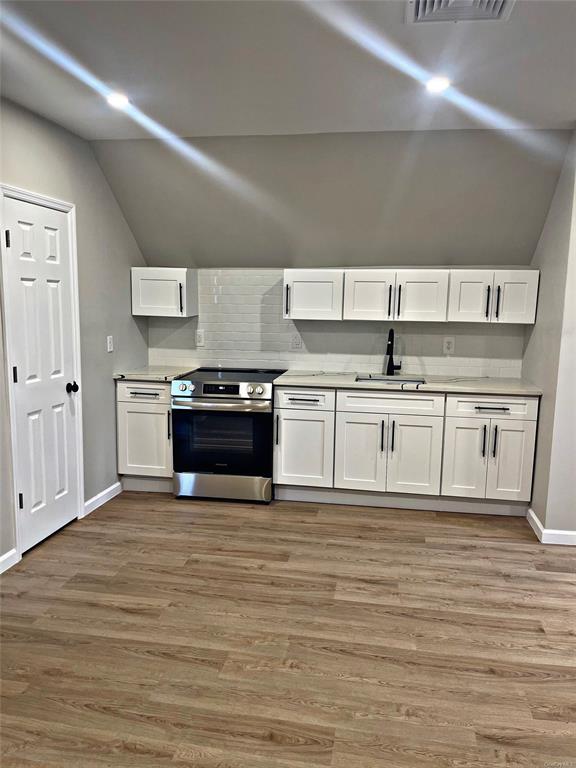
[[437, 84], [117, 100]]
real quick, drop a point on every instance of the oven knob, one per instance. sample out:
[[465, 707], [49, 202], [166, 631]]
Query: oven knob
[[259, 390], [183, 387], [250, 389], [192, 387]]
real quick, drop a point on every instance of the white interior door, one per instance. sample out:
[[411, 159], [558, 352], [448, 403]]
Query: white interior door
[[360, 455], [42, 340], [414, 454]]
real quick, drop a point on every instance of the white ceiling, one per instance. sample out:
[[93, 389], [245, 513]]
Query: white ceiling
[[262, 68]]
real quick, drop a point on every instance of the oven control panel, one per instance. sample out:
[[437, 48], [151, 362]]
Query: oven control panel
[[212, 389]]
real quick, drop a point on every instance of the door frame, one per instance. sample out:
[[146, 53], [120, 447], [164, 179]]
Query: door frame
[[8, 191]]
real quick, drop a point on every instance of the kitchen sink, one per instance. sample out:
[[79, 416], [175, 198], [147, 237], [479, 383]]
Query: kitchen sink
[[390, 379]]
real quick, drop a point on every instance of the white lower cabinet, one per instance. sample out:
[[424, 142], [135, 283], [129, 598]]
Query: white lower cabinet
[[304, 447], [360, 456], [414, 454], [488, 458], [144, 429]]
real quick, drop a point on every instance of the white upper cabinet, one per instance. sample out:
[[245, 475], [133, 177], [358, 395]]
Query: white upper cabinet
[[313, 294], [369, 294], [164, 291], [470, 298], [495, 296], [515, 296], [421, 294]]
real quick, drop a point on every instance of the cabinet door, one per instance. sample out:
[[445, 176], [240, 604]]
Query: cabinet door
[[313, 294], [421, 294], [465, 457], [414, 454], [511, 459], [515, 295], [164, 292], [144, 439], [369, 294], [304, 448], [471, 295], [360, 455]]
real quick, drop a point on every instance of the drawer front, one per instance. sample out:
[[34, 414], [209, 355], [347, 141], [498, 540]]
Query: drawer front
[[362, 401], [490, 406], [142, 391], [304, 399]]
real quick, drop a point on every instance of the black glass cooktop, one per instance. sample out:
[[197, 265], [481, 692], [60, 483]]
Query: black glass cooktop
[[235, 374]]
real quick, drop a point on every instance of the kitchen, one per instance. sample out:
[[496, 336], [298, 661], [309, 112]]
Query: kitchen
[[287, 404]]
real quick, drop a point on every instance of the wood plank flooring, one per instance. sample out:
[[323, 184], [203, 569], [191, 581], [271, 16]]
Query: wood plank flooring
[[159, 632]]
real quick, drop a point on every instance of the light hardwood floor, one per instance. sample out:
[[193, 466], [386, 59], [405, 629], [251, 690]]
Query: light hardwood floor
[[172, 633]]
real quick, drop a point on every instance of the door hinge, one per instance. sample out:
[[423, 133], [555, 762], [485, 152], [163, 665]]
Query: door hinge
[[20, 501], [7, 238], [15, 374]]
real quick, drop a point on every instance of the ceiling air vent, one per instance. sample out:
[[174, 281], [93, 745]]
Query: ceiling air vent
[[458, 10]]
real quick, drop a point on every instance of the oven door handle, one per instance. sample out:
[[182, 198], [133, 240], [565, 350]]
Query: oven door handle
[[230, 406]]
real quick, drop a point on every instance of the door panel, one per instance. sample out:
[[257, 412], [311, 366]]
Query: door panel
[[313, 294], [40, 327], [144, 446], [422, 294], [516, 294], [304, 448], [471, 295], [511, 460], [414, 454], [465, 457], [369, 294], [360, 458]]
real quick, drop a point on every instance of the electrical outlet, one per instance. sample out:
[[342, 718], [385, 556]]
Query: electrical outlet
[[448, 345], [200, 341], [109, 343], [296, 341]]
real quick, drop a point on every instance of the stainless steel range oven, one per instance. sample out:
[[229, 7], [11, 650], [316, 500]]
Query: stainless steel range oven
[[222, 432]]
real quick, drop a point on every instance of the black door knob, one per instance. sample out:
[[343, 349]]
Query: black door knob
[[72, 387], [69, 388], [75, 387]]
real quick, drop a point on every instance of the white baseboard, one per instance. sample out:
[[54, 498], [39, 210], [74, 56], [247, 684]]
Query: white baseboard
[[398, 501], [9, 559], [101, 498], [550, 535]]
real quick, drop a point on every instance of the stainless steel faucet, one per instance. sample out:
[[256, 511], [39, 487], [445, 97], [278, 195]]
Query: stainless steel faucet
[[389, 366]]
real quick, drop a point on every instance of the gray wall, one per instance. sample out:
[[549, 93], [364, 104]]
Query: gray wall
[[7, 522], [544, 340], [42, 157], [360, 199]]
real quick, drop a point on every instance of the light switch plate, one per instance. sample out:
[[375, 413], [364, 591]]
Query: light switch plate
[[200, 337], [448, 346], [109, 343], [296, 341]]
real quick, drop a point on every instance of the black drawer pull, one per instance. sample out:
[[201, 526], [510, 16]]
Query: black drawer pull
[[499, 408], [145, 394], [304, 399]]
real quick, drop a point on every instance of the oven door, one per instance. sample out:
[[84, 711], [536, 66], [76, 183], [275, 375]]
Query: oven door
[[222, 437]]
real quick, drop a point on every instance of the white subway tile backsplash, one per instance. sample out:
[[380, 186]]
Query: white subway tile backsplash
[[241, 315]]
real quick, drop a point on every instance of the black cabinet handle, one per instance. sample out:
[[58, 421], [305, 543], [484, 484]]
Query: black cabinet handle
[[277, 428], [498, 291], [389, 300], [382, 437], [169, 415], [484, 430], [304, 399], [495, 441], [392, 438], [488, 303], [503, 408], [399, 299], [287, 299], [181, 299], [144, 394]]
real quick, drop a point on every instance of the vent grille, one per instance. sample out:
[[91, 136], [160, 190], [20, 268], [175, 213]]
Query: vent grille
[[419, 11]]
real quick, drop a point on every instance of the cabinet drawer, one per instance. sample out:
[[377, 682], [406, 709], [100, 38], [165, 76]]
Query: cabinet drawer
[[142, 391], [362, 401], [314, 399], [473, 406]]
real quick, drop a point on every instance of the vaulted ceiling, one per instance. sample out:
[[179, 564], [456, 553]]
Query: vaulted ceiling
[[328, 154]]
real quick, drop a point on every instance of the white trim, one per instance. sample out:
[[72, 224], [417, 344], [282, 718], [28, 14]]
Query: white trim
[[101, 498], [9, 559], [550, 535], [398, 501], [7, 191]]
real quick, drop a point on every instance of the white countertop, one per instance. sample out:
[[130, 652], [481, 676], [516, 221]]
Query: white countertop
[[152, 373], [443, 384]]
